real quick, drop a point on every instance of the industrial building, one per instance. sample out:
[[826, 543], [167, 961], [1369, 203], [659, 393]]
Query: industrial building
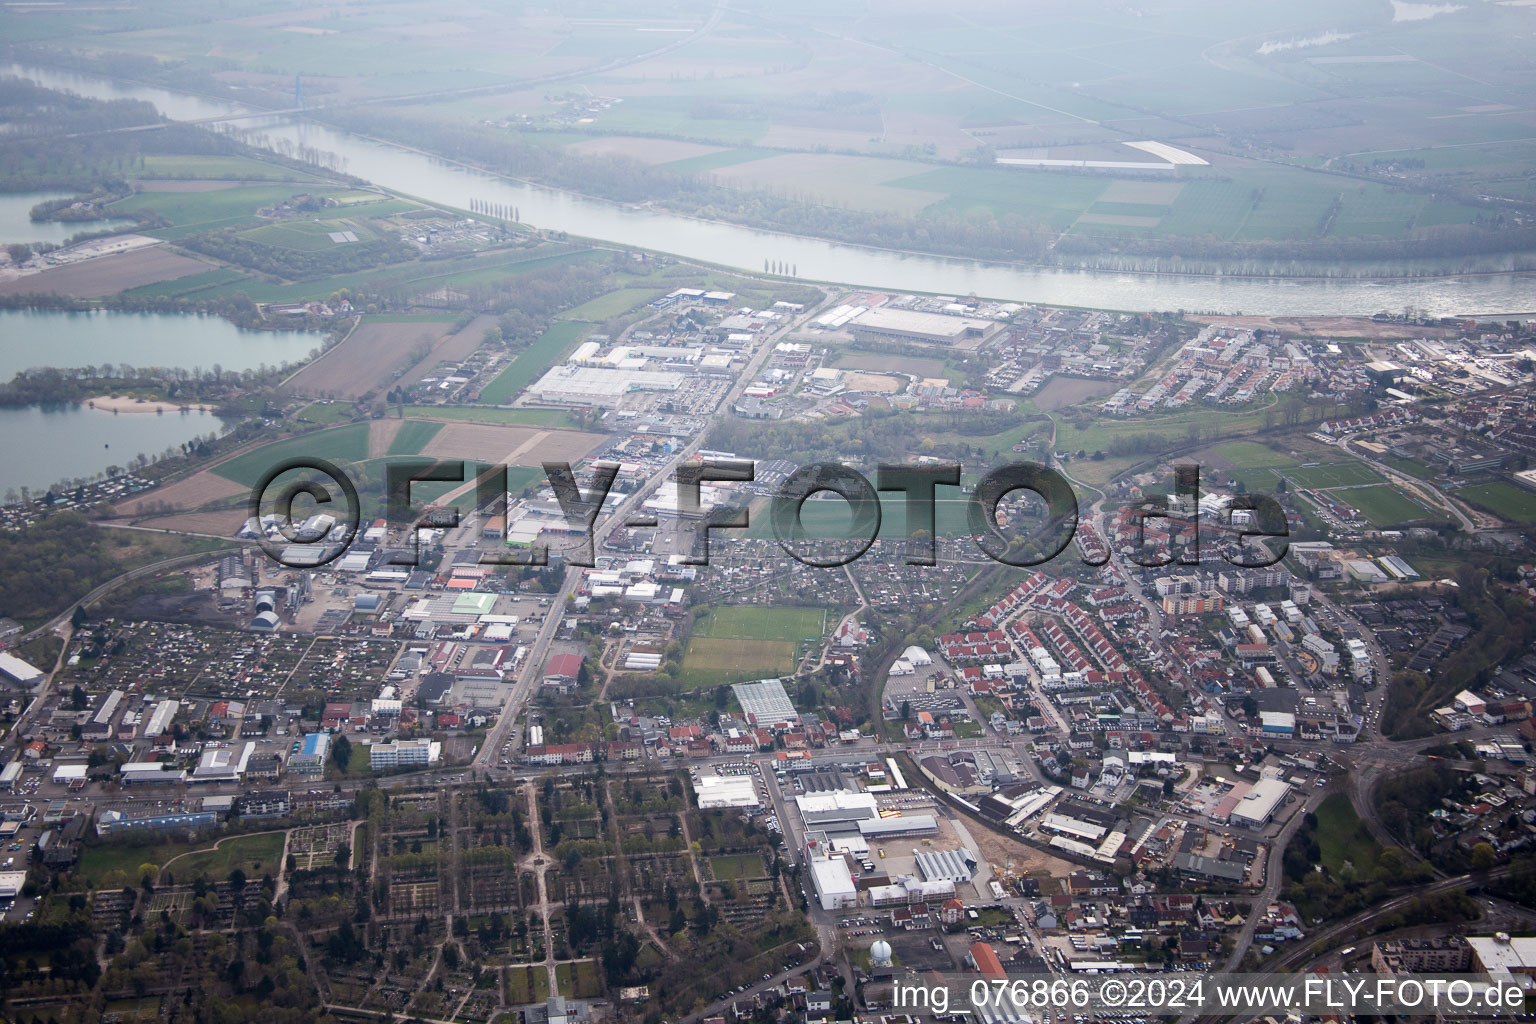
[[1503, 956], [726, 791], [954, 866], [1258, 805], [601, 386], [19, 673], [226, 764], [932, 328], [160, 718], [830, 878], [839, 810]]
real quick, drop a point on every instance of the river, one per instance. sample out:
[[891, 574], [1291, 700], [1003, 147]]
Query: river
[[433, 179]]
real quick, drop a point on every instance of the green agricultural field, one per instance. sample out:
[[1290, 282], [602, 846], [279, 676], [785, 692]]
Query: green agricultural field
[[613, 304], [737, 865], [344, 444], [190, 285], [193, 212], [1383, 505], [549, 349], [209, 167], [413, 437], [741, 622], [714, 161], [1502, 499], [255, 855], [308, 235], [1054, 199], [419, 276]]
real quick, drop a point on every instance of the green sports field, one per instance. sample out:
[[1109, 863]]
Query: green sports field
[[1503, 499], [1333, 474], [1383, 505], [709, 661], [739, 622], [737, 643]]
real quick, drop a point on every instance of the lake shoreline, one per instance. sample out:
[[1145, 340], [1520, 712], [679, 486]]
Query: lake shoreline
[[138, 406]]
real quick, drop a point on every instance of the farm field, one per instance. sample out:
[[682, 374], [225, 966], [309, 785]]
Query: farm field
[[412, 437], [108, 275], [647, 151], [865, 183], [189, 285], [511, 445], [449, 348], [614, 303], [550, 347], [310, 235], [348, 443], [211, 167], [366, 360], [1502, 499], [418, 277], [477, 414], [192, 212], [192, 492]]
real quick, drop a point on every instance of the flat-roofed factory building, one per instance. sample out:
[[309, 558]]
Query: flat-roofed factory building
[[931, 328]]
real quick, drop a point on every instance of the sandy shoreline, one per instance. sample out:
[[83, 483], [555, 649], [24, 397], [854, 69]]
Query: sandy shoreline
[[124, 403]]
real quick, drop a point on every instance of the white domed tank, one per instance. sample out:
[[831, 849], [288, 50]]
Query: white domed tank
[[880, 953]]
